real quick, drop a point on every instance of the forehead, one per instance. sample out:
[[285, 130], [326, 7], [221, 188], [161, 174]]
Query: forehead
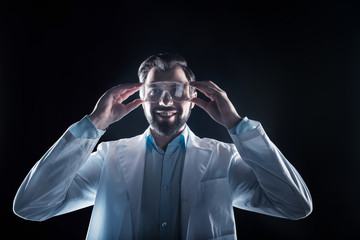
[[174, 75]]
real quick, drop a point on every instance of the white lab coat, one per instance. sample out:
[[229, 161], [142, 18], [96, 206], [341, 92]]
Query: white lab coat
[[250, 174]]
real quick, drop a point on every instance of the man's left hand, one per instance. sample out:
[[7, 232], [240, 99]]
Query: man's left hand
[[220, 107]]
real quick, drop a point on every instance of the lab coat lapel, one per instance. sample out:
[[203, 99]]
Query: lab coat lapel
[[131, 154], [132, 161], [197, 157]]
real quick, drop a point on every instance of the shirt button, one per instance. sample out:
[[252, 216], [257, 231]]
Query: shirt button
[[165, 187], [163, 224]]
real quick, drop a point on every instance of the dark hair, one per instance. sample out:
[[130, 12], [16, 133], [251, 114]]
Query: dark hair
[[165, 62]]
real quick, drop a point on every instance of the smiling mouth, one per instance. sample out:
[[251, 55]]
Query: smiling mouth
[[166, 113]]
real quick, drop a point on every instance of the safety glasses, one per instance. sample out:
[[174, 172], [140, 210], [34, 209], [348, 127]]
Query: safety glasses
[[156, 91]]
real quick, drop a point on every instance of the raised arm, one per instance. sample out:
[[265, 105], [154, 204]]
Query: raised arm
[[261, 178], [53, 183], [65, 178]]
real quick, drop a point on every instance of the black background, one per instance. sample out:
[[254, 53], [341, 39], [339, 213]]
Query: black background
[[293, 67]]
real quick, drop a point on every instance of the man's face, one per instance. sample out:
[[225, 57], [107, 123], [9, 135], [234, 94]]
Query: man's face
[[167, 117]]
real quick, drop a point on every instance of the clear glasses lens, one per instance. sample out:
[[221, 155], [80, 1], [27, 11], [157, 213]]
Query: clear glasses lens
[[154, 92]]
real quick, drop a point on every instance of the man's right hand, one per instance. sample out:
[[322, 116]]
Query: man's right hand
[[110, 109]]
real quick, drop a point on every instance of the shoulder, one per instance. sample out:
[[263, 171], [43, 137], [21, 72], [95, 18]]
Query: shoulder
[[122, 143], [212, 144]]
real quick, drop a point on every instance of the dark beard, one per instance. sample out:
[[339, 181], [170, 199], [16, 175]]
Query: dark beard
[[165, 128]]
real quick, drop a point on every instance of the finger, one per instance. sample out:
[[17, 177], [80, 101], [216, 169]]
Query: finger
[[121, 93], [201, 103], [124, 95], [133, 105], [206, 84], [209, 91], [125, 87]]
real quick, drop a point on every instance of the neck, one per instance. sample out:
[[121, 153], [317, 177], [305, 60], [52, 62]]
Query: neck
[[163, 141]]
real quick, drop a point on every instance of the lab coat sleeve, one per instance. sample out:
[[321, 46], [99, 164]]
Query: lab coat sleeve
[[63, 180], [262, 180]]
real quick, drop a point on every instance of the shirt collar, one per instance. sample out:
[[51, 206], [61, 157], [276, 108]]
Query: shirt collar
[[182, 139]]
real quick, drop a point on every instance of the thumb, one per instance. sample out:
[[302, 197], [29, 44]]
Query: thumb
[[201, 103]]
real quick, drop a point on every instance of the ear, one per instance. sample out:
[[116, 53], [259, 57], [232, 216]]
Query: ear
[[193, 104]]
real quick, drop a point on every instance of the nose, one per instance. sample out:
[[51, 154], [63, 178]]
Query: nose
[[166, 99]]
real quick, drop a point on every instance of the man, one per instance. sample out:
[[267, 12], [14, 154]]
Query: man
[[166, 183]]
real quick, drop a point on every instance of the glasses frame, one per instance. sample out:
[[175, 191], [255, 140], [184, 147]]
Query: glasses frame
[[143, 97]]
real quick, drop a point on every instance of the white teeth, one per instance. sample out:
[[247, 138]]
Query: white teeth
[[166, 113]]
